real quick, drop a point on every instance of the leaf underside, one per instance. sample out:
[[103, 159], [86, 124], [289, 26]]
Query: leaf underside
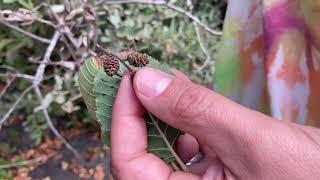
[[99, 91]]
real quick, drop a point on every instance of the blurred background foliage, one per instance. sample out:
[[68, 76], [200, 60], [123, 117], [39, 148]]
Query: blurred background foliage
[[155, 30]]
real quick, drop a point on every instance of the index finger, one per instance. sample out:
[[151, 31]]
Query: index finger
[[129, 157]]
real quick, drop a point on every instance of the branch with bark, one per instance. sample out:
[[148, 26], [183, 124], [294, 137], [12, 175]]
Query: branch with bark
[[38, 77], [28, 34]]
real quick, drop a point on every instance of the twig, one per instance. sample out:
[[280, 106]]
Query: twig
[[73, 54], [74, 98], [194, 19], [67, 64], [29, 34], [25, 76], [8, 84], [179, 161], [51, 126], [15, 73], [203, 48], [22, 163], [37, 79], [40, 71], [199, 38], [18, 75], [168, 5], [13, 107], [63, 29], [157, 2]]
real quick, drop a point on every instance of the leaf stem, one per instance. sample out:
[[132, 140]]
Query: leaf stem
[[174, 166], [179, 161], [117, 74]]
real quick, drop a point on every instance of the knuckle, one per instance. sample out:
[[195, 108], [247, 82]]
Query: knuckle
[[191, 103], [115, 170]]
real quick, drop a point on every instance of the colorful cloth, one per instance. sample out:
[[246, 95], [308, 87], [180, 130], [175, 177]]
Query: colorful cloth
[[270, 58]]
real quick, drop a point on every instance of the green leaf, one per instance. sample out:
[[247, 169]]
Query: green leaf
[[99, 91], [8, 1], [115, 19], [105, 88], [26, 4], [86, 77], [5, 42]]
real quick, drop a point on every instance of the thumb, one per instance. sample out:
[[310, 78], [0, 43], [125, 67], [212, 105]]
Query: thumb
[[215, 121], [188, 106], [249, 144]]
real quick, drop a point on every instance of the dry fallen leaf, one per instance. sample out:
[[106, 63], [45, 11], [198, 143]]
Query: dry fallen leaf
[[84, 173], [22, 174], [64, 165], [70, 133], [99, 173], [91, 172], [95, 136], [46, 178], [30, 153], [92, 154]]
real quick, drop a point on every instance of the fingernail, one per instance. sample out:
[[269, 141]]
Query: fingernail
[[197, 158], [152, 82]]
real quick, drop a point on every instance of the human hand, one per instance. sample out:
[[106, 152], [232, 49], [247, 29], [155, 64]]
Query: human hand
[[237, 143]]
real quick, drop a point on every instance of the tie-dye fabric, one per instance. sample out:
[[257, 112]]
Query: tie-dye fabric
[[270, 58]]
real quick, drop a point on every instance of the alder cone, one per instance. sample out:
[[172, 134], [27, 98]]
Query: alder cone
[[137, 59], [110, 64]]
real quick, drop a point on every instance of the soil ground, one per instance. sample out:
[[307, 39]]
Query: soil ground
[[59, 163]]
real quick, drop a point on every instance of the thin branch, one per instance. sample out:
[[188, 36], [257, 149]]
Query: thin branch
[[13, 107], [71, 50], [168, 5], [199, 38], [8, 84], [25, 76], [45, 22], [18, 75], [74, 98], [66, 64], [203, 48], [179, 161], [23, 163], [37, 79], [194, 19], [111, 2], [64, 29], [29, 34], [15, 73], [40, 71], [51, 126]]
